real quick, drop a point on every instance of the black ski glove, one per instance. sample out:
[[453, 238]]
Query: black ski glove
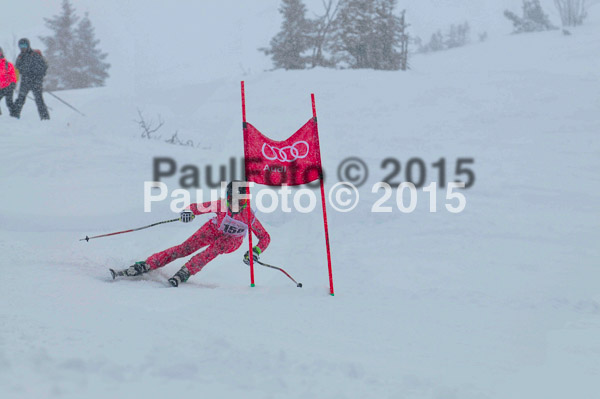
[[186, 216], [255, 254]]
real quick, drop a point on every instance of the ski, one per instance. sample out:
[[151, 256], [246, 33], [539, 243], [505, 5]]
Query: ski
[[137, 269], [118, 273]]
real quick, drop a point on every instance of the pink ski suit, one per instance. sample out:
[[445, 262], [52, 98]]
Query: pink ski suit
[[222, 234]]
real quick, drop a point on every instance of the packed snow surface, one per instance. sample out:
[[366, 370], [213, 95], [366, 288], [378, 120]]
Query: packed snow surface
[[499, 301]]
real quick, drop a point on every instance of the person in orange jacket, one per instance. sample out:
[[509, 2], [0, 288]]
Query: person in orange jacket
[[8, 81]]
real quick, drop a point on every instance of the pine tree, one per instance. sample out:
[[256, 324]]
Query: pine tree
[[388, 29], [355, 42], [436, 43], [288, 48], [74, 61], [464, 34], [572, 12], [320, 34], [404, 40], [59, 47], [351, 33], [458, 36], [532, 11], [370, 35], [90, 69], [533, 20]]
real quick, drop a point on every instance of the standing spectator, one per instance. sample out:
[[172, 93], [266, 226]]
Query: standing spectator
[[32, 69], [8, 80]]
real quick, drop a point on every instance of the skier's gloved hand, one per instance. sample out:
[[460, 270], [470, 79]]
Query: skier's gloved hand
[[186, 216], [255, 254]]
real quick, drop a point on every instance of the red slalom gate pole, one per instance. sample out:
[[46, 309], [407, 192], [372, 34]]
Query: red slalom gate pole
[[249, 203], [314, 109], [243, 103]]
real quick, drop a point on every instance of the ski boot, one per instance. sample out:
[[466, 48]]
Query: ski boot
[[180, 277], [137, 269]]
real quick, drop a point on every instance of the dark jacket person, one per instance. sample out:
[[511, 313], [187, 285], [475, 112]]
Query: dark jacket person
[[32, 69]]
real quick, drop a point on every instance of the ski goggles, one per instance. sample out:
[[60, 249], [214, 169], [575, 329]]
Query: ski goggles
[[23, 45]]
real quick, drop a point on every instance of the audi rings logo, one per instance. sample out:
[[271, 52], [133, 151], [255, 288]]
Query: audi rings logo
[[286, 154]]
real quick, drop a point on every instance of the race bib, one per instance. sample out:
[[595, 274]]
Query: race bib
[[233, 227]]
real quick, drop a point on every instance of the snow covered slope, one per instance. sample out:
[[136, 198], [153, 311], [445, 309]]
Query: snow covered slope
[[500, 301]]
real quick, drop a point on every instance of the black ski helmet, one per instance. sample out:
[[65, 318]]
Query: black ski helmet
[[241, 190], [24, 42]]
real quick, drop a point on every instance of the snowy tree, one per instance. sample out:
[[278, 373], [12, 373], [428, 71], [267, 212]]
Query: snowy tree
[[354, 41], [90, 69], [59, 47], [369, 35], [354, 33], [391, 37], [436, 43], [321, 29], [74, 61], [572, 12], [404, 41], [288, 48], [533, 20], [458, 35]]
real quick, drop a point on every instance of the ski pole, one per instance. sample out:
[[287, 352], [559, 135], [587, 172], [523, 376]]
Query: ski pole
[[129, 231], [66, 103], [47, 106], [281, 270]]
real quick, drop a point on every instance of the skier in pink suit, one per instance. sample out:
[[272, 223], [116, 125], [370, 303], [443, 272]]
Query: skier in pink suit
[[222, 234]]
